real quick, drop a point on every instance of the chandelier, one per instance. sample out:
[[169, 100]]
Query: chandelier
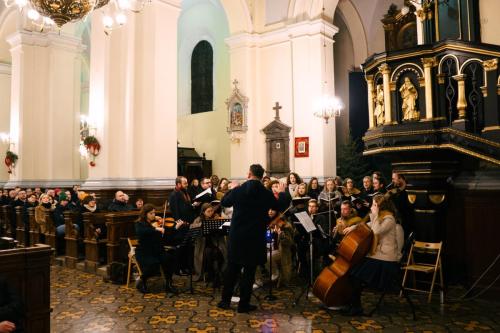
[[328, 107], [47, 13]]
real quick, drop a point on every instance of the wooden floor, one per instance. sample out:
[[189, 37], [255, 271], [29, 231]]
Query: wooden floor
[[82, 302]]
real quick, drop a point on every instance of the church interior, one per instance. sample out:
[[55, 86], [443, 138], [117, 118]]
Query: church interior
[[113, 109]]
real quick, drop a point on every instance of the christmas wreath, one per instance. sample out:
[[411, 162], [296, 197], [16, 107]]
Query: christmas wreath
[[10, 160], [93, 147]]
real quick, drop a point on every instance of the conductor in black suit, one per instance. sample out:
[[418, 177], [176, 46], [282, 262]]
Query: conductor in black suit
[[247, 236]]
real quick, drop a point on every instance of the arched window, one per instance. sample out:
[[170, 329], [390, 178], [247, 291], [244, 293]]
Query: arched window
[[202, 92]]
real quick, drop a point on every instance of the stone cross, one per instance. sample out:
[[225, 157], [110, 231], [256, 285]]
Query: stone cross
[[235, 82], [277, 108]]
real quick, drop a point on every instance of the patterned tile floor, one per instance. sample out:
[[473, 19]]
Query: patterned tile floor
[[82, 302]]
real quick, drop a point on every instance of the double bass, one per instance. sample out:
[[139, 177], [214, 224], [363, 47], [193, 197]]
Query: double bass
[[332, 285]]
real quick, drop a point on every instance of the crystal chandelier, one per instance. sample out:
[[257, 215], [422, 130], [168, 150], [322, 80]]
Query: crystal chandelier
[[328, 107], [47, 13]]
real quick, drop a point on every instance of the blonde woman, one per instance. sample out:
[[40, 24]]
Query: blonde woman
[[44, 207]]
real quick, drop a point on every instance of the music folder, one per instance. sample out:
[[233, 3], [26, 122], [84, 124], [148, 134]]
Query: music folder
[[306, 221]]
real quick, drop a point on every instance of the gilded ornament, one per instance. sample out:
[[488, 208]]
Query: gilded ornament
[[379, 106], [437, 198], [409, 95], [490, 65]]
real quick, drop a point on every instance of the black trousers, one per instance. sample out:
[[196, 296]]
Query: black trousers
[[168, 264], [232, 275]]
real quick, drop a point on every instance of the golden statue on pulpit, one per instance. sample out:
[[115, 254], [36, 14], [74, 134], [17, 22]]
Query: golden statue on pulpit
[[379, 106], [409, 94]]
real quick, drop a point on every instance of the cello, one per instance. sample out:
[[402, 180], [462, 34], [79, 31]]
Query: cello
[[332, 285]]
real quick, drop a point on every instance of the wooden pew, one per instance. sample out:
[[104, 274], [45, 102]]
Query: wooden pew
[[34, 228], [71, 238], [92, 221], [28, 270], [3, 223], [19, 225], [50, 231], [120, 226], [7, 214]]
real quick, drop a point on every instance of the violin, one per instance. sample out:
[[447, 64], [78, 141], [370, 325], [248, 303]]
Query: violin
[[279, 220], [167, 222]]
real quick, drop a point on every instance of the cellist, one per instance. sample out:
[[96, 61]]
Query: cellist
[[379, 267]]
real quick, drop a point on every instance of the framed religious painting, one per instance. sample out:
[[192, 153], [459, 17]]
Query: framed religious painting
[[237, 106], [302, 147]]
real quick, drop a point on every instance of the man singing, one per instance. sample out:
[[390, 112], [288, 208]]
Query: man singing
[[247, 236]]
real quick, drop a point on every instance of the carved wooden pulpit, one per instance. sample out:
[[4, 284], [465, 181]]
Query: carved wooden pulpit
[[277, 146]]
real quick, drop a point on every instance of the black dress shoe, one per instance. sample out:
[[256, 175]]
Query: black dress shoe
[[141, 286], [246, 308], [224, 305]]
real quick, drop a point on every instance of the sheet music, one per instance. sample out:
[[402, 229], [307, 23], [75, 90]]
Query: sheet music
[[306, 221], [207, 191]]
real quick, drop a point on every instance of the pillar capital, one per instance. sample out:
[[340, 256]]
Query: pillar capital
[[385, 69], [32, 38], [430, 62], [490, 65]]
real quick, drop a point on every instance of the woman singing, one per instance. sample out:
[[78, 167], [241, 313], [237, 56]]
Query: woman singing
[[378, 268], [150, 252]]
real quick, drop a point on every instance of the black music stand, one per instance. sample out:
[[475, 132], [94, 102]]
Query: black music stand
[[309, 229]]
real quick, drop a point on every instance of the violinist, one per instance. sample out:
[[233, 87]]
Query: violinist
[[150, 252], [210, 250], [381, 265], [282, 258]]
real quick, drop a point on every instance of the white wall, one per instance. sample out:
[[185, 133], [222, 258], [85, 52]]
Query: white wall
[[344, 62], [489, 11], [206, 132]]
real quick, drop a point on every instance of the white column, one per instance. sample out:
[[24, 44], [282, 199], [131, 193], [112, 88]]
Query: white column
[[386, 72], [133, 99], [429, 63], [371, 117], [5, 75], [45, 106]]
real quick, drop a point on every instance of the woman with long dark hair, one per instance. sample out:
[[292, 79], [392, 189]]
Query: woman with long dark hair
[[150, 252]]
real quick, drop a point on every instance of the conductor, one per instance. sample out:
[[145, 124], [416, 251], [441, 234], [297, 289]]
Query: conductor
[[247, 236]]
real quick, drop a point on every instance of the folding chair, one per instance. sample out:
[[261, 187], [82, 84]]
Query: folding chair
[[428, 249], [132, 260]]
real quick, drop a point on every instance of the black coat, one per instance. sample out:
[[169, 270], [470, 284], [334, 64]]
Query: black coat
[[180, 208], [247, 236], [150, 250]]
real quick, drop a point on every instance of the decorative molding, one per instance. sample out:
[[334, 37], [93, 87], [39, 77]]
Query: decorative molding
[[384, 58], [408, 67], [129, 183], [432, 131], [440, 65], [42, 183], [490, 65], [5, 68], [58, 40], [290, 32], [430, 147], [430, 62]]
